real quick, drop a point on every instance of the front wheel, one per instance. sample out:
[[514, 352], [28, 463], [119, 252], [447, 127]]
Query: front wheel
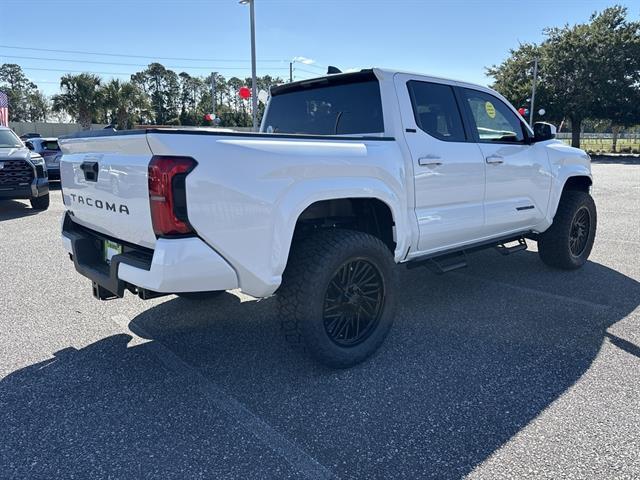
[[568, 242], [40, 203], [338, 295]]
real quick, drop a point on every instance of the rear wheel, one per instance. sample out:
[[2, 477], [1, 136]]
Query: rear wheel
[[338, 296], [40, 203], [568, 242]]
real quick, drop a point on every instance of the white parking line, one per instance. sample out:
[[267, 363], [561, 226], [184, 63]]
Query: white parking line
[[297, 458]]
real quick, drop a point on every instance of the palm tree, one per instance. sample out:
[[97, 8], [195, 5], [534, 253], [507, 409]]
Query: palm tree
[[110, 100], [133, 102], [124, 102], [81, 97]]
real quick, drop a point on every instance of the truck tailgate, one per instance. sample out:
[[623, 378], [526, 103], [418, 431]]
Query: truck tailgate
[[105, 185]]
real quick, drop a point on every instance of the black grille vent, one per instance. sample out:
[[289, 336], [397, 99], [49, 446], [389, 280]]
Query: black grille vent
[[15, 172]]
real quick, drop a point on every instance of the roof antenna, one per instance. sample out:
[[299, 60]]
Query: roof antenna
[[331, 70]]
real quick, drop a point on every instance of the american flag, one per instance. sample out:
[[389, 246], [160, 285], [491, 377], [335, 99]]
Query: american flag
[[4, 110]]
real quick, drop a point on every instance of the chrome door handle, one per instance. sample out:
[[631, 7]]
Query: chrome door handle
[[429, 161], [495, 159]]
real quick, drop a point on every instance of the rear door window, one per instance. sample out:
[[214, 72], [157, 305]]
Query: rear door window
[[436, 111], [345, 105]]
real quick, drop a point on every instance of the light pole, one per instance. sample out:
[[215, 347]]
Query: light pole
[[533, 90], [213, 92], [254, 97]]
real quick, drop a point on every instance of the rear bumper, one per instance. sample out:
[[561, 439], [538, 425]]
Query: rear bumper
[[37, 188], [174, 266]]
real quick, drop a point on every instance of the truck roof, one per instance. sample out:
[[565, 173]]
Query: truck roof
[[388, 73]]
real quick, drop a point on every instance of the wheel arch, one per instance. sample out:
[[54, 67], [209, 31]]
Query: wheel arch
[[303, 198], [581, 183], [575, 177], [365, 214]]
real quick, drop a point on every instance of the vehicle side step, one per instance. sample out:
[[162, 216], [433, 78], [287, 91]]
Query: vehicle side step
[[454, 259], [505, 249], [448, 263]]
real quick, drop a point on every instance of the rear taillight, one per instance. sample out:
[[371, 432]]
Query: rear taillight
[[167, 194]]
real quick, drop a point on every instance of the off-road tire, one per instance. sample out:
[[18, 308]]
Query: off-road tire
[[40, 203], [554, 245], [313, 263], [200, 296]]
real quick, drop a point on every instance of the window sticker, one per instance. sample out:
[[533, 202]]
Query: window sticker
[[490, 109]]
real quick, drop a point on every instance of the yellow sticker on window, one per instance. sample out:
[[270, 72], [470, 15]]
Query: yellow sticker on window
[[490, 109]]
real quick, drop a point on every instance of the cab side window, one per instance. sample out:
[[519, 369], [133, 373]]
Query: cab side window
[[494, 121], [436, 111]]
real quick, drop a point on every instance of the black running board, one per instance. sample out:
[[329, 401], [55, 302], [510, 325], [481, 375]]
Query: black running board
[[504, 249], [454, 259], [447, 263]]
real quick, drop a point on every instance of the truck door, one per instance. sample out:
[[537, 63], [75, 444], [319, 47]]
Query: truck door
[[518, 178], [448, 166]]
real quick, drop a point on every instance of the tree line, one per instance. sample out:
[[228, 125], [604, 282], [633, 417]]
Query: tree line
[[587, 72], [154, 96]]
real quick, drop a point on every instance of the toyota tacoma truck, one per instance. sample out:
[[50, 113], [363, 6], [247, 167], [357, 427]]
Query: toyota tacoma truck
[[349, 175]]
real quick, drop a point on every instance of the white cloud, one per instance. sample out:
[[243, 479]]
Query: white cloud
[[305, 60]]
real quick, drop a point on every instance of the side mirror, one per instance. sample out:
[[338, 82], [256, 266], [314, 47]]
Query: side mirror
[[543, 131]]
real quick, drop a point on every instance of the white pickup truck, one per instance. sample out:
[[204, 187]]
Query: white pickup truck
[[350, 175]]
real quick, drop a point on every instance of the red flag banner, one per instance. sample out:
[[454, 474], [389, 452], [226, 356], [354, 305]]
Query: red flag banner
[[4, 110]]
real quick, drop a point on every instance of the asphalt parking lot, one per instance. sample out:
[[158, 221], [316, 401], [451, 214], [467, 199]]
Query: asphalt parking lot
[[507, 369]]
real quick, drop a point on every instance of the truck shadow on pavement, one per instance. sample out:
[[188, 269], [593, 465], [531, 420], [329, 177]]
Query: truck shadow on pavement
[[473, 357], [12, 209]]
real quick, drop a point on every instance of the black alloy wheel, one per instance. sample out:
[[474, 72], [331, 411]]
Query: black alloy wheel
[[353, 303], [580, 228]]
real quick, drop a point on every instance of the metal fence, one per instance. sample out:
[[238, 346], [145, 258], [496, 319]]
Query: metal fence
[[603, 142], [601, 136]]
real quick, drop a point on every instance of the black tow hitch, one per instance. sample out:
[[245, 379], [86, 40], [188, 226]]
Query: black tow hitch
[[102, 293]]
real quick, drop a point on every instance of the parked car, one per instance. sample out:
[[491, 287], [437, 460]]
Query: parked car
[[361, 171], [23, 173], [27, 136], [49, 149]]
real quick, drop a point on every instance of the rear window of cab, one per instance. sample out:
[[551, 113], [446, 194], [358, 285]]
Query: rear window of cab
[[347, 104]]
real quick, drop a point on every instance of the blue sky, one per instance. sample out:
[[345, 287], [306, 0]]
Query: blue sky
[[451, 38]]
